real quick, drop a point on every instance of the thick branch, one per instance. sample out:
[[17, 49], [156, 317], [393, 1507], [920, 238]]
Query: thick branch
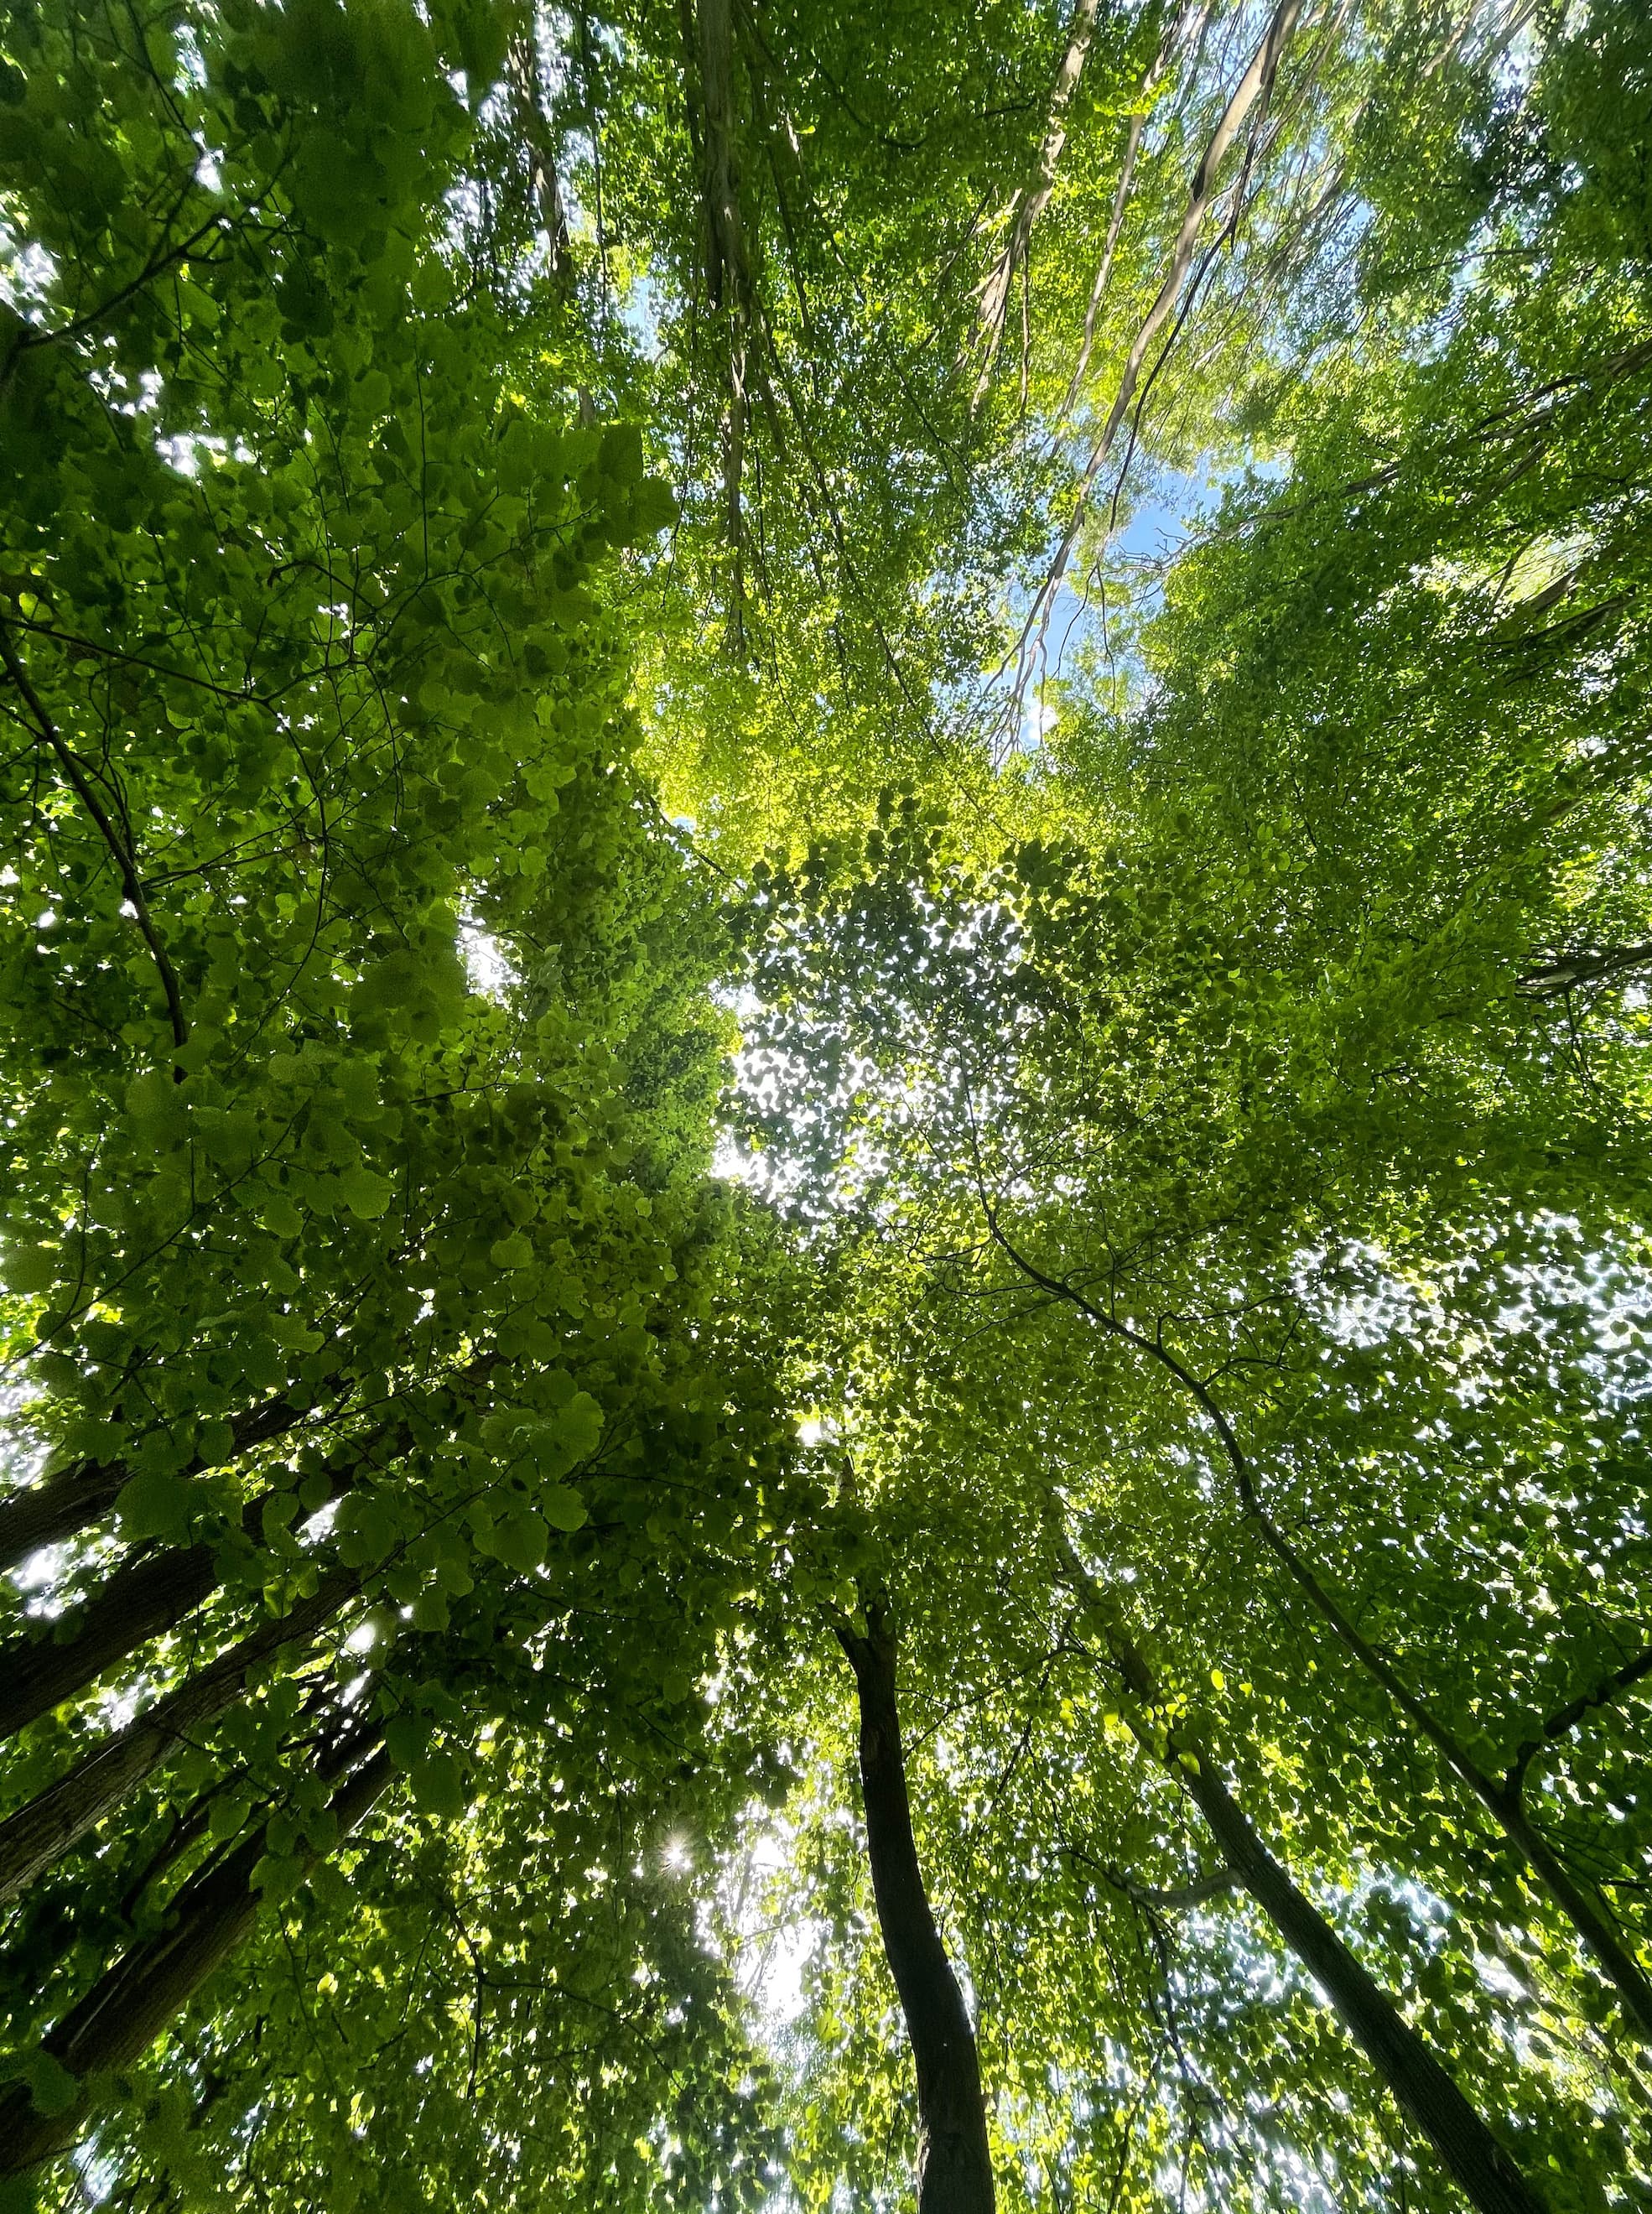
[[1556, 978], [143, 1599], [1175, 1900]]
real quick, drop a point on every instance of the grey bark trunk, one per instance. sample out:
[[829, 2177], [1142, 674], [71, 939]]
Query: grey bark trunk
[[130, 2006], [57, 1817], [954, 2167]]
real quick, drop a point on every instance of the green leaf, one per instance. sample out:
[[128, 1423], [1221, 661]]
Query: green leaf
[[366, 1193], [30, 1268], [154, 1504], [519, 1539], [562, 1507], [406, 1737], [52, 2089], [438, 1785]]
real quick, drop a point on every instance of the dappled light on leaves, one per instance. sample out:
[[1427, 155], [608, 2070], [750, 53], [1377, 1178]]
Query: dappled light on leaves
[[824, 948]]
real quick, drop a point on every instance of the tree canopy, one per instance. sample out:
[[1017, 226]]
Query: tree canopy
[[824, 960]]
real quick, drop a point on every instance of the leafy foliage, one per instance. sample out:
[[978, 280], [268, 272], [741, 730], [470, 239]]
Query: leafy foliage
[[660, 990]]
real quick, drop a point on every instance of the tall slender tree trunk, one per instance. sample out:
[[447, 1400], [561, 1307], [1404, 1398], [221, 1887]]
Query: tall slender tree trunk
[[57, 1817], [129, 2007], [728, 272], [1425, 2089], [954, 2166], [539, 143], [1422, 2086], [1031, 203]]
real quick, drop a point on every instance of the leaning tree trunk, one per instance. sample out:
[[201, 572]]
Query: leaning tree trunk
[[63, 1505], [1422, 2086], [57, 1817], [1257, 83], [144, 1598], [129, 2007], [955, 2173], [137, 1602]]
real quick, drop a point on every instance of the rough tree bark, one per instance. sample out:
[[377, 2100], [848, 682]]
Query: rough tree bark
[[130, 2006], [954, 2167], [57, 1817]]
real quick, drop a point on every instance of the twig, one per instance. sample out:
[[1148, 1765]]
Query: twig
[[118, 846]]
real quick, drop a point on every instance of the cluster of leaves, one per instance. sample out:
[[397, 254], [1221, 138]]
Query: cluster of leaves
[[359, 1251]]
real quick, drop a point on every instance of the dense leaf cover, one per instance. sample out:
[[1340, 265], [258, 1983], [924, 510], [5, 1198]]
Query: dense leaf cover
[[824, 841]]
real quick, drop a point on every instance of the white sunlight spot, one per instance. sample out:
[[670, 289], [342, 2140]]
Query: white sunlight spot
[[490, 972]]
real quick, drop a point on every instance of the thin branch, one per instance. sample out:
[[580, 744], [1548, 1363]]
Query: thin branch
[[125, 861]]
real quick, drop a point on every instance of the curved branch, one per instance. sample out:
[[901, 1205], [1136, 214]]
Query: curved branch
[[1564, 1720], [1587, 1918], [125, 861]]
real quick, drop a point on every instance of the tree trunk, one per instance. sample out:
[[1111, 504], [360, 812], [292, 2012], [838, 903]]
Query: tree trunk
[[728, 272], [1184, 26], [1031, 203], [1422, 2086], [539, 143], [954, 2167], [137, 1602], [140, 1601], [1590, 1923], [57, 1817], [133, 2004], [65, 1504]]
